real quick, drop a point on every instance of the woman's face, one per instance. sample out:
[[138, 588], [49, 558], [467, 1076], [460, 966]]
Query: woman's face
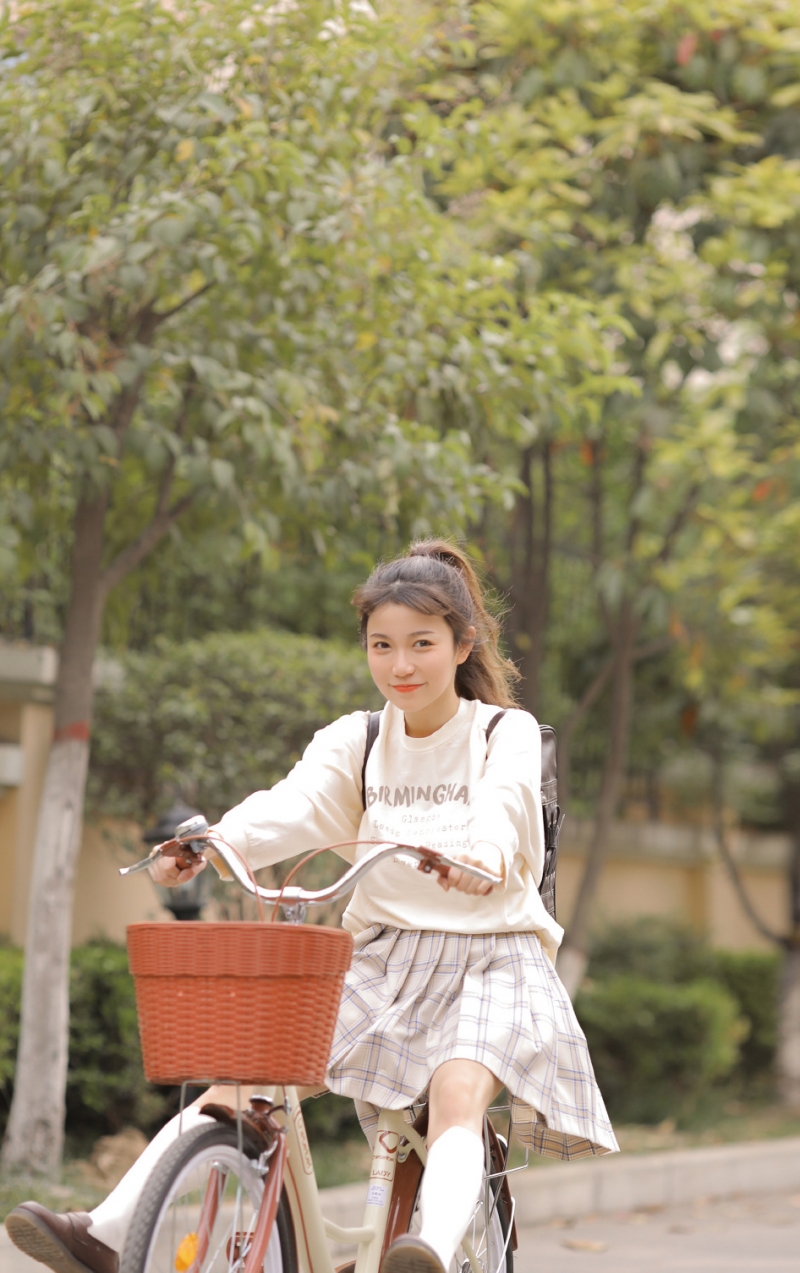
[[413, 659]]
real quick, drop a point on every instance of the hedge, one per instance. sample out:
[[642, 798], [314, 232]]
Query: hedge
[[106, 1087], [215, 719], [657, 1049]]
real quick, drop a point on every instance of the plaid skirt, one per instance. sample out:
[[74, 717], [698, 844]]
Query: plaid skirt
[[413, 1000]]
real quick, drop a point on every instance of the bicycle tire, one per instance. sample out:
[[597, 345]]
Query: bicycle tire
[[153, 1247]]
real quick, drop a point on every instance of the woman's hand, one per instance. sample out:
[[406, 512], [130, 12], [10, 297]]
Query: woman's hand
[[470, 884], [168, 872]]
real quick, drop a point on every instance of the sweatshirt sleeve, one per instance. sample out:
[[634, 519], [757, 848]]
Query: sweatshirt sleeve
[[318, 803], [506, 809]]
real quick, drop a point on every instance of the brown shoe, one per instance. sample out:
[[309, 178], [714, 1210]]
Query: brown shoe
[[62, 1242], [410, 1254]]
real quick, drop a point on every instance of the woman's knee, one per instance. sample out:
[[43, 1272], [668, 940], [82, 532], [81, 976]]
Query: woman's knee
[[460, 1093], [222, 1094]]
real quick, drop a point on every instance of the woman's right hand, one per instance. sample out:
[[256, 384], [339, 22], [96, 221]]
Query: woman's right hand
[[168, 871]]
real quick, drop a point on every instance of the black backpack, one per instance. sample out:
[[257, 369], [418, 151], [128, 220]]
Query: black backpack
[[550, 811]]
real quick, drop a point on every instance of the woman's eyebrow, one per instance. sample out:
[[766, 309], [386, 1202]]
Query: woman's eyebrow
[[384, 637]]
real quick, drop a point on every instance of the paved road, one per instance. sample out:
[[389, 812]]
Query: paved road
[[734, 1235], [741, 1235]]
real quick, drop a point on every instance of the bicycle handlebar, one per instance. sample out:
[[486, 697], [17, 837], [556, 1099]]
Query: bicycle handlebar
[[196, 831]]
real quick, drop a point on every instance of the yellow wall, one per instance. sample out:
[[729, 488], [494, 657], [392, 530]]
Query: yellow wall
[[10, 721], [36, 731], [698, 893], [105, 902]]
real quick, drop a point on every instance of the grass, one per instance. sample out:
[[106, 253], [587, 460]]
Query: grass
[[72, 1192], [717, 1123]]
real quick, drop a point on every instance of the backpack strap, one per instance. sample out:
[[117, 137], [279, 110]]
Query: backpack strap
[[551, 814], [496, 719], [373, 725]]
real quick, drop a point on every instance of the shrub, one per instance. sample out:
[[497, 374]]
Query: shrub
[[106, 1087], [214, 719], [10, 988], [658, 1048], [752, 978], [670, 953], [654, 948]]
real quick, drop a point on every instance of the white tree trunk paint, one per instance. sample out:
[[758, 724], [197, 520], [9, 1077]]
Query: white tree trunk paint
[[35, 1133]]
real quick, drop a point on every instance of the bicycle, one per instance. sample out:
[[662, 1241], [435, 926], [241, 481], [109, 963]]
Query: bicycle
[[239, 1195]]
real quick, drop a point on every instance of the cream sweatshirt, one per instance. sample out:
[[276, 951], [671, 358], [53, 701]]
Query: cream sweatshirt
[[449, 791]]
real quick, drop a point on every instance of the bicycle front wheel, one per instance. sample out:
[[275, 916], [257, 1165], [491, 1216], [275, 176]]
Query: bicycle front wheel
[[199, 1208]]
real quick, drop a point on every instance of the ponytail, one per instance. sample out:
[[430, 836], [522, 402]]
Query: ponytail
[[436, 577]]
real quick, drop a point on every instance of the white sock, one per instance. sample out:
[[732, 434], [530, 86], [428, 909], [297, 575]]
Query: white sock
[[111, 1219], [450, 1188]]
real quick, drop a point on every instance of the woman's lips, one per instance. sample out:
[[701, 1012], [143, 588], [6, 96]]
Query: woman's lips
[[406, 689]]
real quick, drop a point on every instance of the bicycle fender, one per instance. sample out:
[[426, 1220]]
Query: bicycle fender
[[496, 1155], [257, 1132]]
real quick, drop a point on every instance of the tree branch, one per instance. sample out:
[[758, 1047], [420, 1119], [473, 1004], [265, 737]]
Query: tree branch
[[598, 525], [176, 309], [730, 862], [136, 552], [678, 522], [590, 696], [657, 646]]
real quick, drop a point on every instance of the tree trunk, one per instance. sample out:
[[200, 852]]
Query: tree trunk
[[788, 1055], [530, 571], [573, 956], [34, 1138]]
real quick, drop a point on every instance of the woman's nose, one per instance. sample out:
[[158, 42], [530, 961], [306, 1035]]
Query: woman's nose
[[403, 665]]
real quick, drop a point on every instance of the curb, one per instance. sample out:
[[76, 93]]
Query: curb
[[636, 1182], [628, 1182]]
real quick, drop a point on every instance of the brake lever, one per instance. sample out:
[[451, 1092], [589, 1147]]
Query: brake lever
[[181, 851], [441, 864]]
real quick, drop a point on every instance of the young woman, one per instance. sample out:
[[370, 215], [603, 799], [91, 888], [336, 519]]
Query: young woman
[[453, 989]]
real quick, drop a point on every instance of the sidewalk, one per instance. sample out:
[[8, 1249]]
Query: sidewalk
[[753, 1234]]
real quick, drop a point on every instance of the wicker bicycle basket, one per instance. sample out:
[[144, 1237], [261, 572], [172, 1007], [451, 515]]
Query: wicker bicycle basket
[[242, 1002]]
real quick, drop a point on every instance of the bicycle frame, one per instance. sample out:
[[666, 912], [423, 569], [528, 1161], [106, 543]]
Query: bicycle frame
[[399, 1154], [388, 1209], [398, 1159]]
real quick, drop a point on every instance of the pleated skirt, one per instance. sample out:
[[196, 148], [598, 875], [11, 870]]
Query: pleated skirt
[[414, 1000]]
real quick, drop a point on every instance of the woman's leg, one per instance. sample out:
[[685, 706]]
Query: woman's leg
[[460, 1094], [111, 1219], [90, 1243]]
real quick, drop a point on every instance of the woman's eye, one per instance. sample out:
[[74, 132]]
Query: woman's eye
[[422, 642]]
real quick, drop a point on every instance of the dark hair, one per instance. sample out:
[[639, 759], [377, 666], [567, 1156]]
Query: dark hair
[[435, 577]]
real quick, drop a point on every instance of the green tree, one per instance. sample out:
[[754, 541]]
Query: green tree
[[224, 302], [644, 156]]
